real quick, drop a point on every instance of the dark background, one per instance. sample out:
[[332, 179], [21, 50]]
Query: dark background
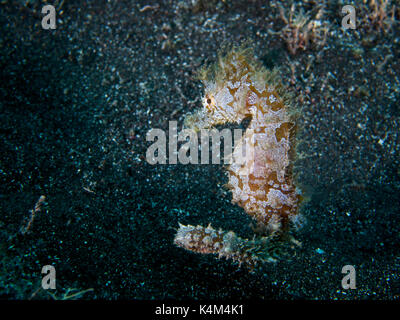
[[76, 104]]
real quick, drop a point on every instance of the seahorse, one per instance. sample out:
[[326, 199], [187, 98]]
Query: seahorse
[[237, 86]]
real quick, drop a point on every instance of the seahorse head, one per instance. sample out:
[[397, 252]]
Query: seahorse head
[[226, 86], [219, 103], [219, 106]]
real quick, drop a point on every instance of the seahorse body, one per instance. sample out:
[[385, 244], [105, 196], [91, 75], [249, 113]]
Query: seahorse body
[[238, 87]]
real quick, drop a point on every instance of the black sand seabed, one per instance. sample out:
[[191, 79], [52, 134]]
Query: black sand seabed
[[77, 102]]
